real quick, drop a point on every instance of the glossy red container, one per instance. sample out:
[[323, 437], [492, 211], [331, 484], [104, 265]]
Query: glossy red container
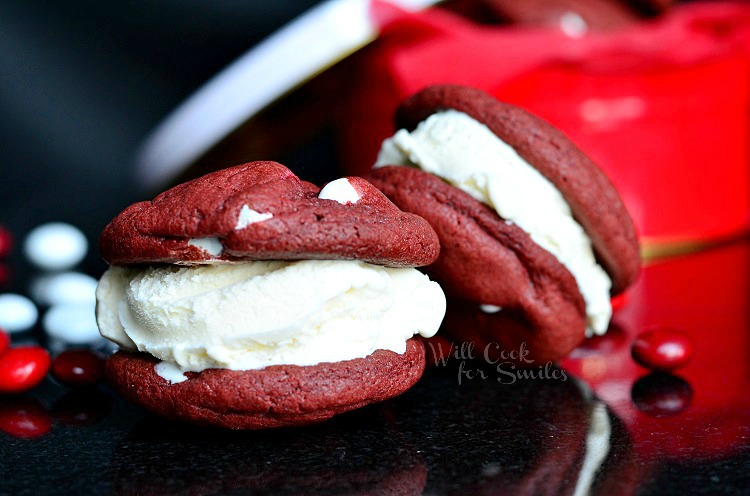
[[662, 107]]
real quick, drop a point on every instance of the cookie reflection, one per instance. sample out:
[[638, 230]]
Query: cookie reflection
[[353, 454], [531, 437]]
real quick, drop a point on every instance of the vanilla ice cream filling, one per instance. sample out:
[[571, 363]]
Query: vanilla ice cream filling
[[468, 155], [255, 314]]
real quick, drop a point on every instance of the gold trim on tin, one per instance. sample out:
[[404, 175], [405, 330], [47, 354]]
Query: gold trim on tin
[[654, 247]]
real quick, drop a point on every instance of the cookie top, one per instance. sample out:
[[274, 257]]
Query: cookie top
[[595, 203], [262, 211]]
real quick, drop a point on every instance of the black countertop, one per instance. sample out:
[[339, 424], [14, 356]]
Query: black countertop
[[601, 423]]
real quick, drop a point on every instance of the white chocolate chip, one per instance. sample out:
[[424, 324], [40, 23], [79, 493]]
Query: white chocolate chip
[[170, 372], [487, 308], [212, 246], [249, 216], [341, 191]]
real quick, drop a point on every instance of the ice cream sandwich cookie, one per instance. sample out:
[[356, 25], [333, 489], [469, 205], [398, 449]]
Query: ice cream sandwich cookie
[[249, 299], [528, 224]]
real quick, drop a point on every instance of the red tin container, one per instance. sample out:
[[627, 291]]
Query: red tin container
[[662, 107]]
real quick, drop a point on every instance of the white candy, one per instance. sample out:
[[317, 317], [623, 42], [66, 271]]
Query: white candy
[[17, 313], [73, 324], [55, 246], [66, 287]]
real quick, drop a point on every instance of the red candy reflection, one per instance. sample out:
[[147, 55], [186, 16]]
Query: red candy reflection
[[705, 410], [661, 395], [82, 407], [24, 418]]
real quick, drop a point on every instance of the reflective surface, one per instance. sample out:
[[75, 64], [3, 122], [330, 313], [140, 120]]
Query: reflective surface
[[706, 296], [602, 424]]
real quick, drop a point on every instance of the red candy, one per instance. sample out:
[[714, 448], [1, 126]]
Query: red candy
[[24, 418], [78, 367], [4, 341], [662, 349], [22, 368], [6, 242]]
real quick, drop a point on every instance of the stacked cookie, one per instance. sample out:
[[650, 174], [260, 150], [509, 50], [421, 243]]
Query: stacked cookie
[[534, 237], [250, 299]]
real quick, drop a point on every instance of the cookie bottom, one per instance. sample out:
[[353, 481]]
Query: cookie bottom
[[276, 396]]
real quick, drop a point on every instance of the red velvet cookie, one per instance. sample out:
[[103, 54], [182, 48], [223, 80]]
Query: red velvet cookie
[[262, 211], [276, 396], [485, 259], [291, 223]]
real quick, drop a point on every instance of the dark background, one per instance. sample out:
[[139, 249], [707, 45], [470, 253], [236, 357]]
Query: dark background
[[83, 83]]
